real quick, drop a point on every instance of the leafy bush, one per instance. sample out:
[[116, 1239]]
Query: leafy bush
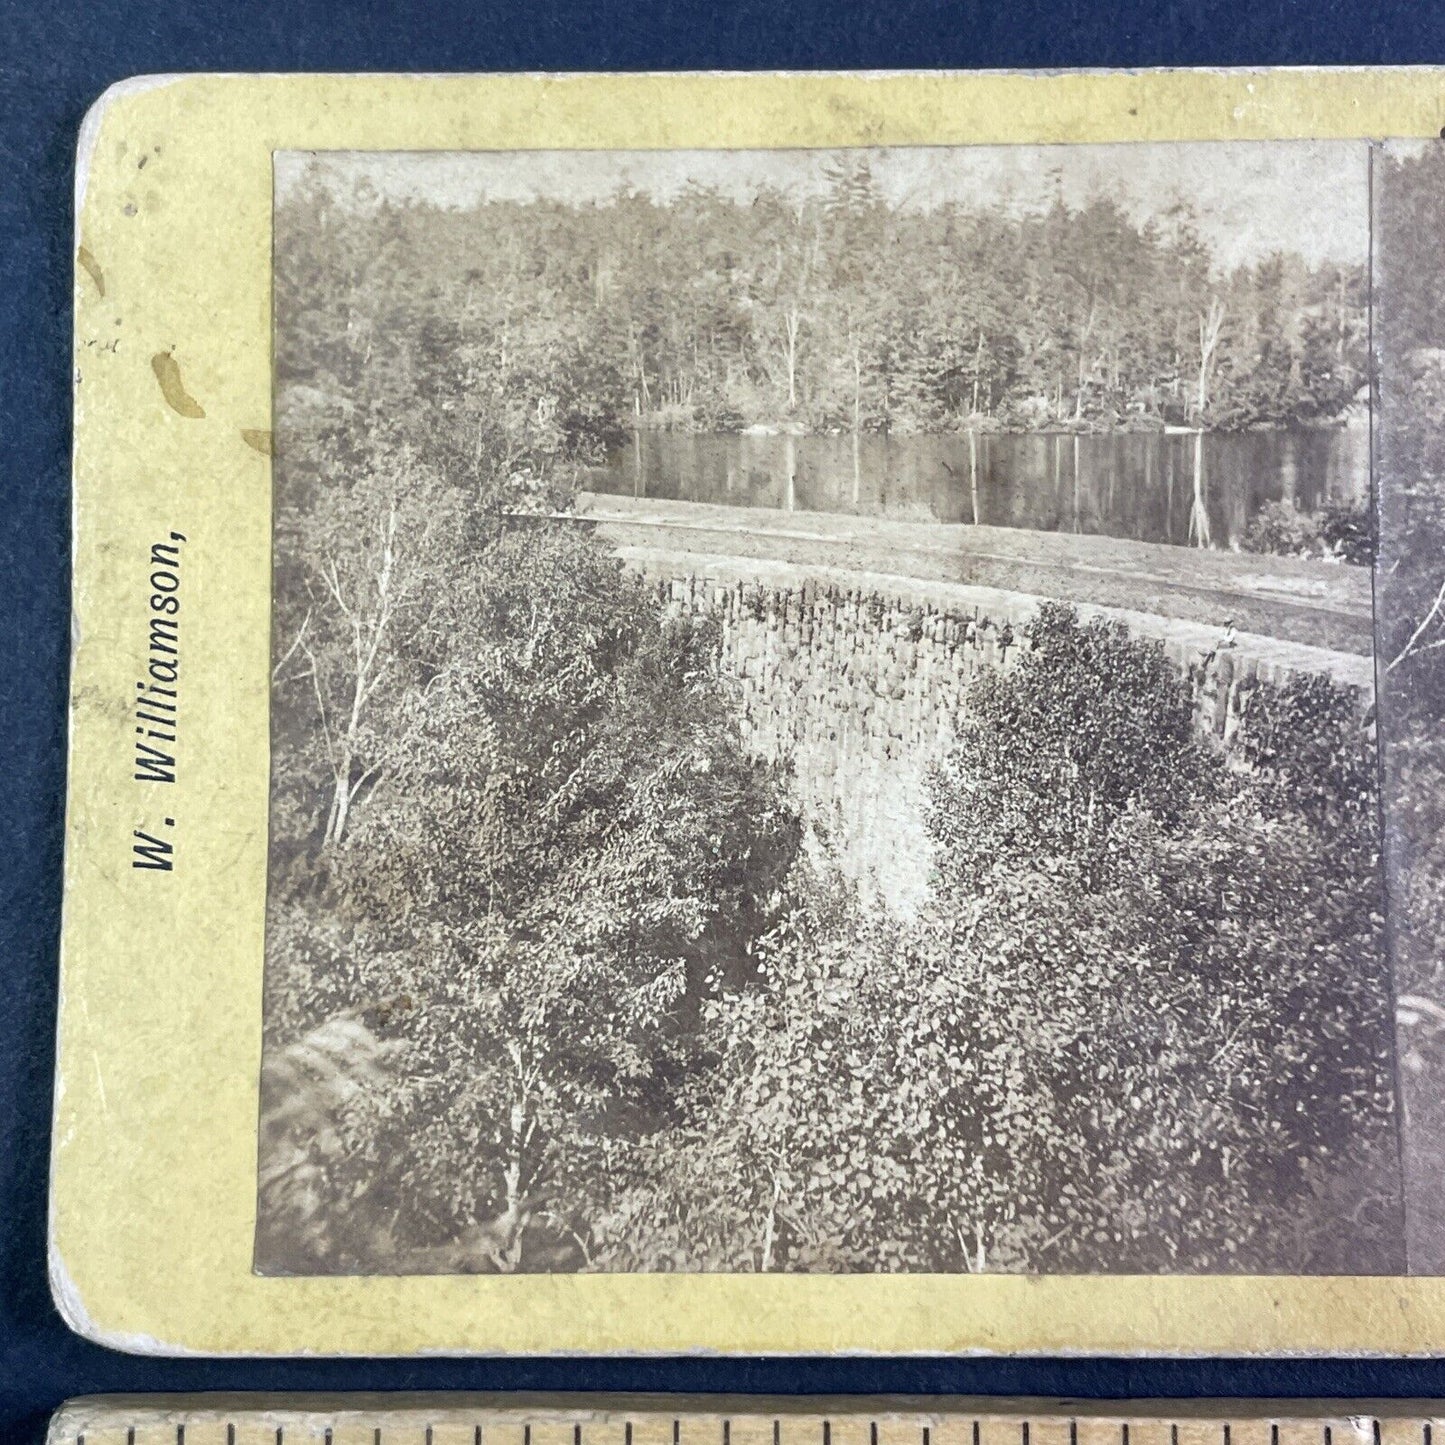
[[571, 855], [1050, 753], [1346, 534], [1280, 529], [1145, 1025], [870, 1109], [1349, 534], [1200, 949]]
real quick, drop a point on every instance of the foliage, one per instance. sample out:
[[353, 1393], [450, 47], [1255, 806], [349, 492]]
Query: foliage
[[1348, 533], [311, 1091], [712, 312], [1051, 754], [1145, 1026], [1344, 534], [1410, 609], [514, 834], [870, 1109], [570, 855]]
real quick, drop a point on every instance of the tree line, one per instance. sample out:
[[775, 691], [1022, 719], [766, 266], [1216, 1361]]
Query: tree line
[[839, 311]]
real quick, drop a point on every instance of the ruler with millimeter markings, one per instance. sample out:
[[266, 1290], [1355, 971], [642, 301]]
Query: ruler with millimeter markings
[[693, 1420]]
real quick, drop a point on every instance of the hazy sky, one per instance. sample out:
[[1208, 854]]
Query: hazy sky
[[1251, 197]]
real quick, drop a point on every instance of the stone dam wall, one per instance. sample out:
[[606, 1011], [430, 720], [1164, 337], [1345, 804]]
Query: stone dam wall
[[860, 686]]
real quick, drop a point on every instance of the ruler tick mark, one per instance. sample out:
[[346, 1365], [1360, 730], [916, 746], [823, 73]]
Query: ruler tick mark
[[163, 1425]]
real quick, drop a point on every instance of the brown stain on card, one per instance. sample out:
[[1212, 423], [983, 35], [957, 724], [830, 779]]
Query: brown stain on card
[[173, 388], [257, 439], [92, 268]]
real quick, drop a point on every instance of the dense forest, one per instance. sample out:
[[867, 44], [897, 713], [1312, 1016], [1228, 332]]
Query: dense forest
[[1410, 602], [559, 978], [830, 312]]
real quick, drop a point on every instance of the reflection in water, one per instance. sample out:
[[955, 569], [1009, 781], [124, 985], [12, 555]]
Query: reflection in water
[[1183, 488], [1199, 533]]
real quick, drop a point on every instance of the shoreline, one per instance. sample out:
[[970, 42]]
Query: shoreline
[[985, 427]]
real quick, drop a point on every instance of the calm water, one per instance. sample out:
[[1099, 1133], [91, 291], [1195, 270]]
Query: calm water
[[1126, 485]]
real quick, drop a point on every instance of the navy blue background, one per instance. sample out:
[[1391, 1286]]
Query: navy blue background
[[55, 58]]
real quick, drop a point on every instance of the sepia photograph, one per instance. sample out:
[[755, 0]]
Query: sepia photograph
[[824, 717], [1409, 345]]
